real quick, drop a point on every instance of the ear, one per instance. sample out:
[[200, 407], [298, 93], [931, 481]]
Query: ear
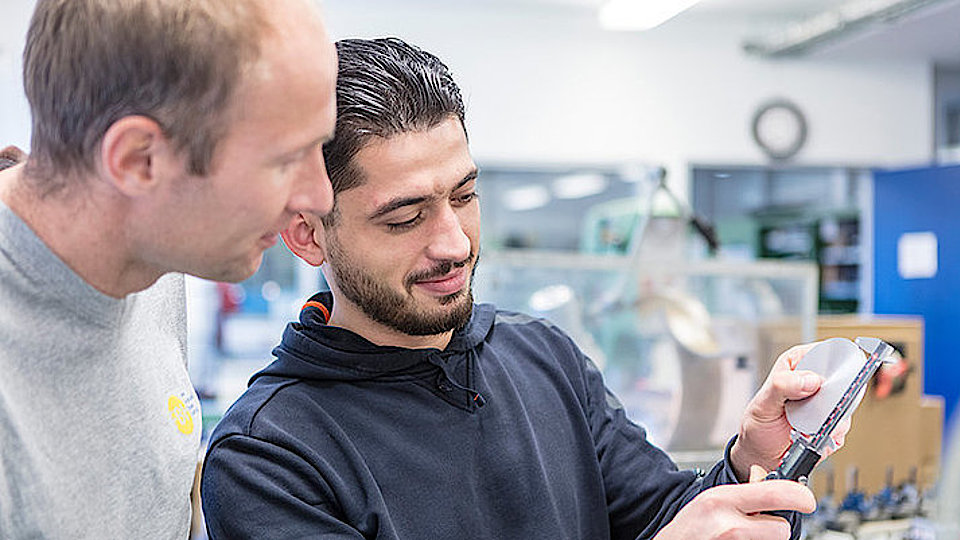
[[304, 237], [132, 153]]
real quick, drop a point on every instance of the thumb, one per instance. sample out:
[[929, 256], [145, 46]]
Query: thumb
[[757, 473], [792, 385]]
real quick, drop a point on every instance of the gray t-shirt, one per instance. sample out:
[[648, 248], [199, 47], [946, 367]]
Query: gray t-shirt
[[99, 424]]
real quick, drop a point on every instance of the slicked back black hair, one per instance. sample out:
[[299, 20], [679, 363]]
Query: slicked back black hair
[[384, 87]]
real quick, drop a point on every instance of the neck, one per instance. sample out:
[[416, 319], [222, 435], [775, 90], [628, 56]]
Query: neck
[[84, 225], [347, 316]]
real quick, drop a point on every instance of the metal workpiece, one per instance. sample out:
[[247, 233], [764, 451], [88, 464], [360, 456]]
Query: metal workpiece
[[846, 368]]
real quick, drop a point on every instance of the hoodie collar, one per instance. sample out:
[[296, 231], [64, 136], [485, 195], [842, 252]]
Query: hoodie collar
[[315, 350], [316, 312]]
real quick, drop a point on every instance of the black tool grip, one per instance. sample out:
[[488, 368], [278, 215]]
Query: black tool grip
[[796, 465]]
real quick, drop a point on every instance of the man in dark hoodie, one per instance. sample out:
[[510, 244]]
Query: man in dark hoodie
[[399, 409]]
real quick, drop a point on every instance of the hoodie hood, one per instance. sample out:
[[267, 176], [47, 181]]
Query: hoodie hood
[[313, 350]]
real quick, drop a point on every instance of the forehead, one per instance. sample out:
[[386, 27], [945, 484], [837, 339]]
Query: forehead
[[281, 97], [411, 164]]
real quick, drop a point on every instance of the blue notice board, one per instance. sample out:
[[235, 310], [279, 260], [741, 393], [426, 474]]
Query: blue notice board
[[915, 202]]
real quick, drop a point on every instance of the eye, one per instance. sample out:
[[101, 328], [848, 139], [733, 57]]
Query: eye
[[408, 224], [466, 198], [286, 164], [292, 159]]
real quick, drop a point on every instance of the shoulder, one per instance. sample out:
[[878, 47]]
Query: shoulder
[[263, 399], [526, 342], [515, 326], [268, 411]]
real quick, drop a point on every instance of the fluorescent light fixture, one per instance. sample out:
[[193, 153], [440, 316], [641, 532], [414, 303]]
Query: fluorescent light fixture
[[579, 186], [640, 14], [852, 17], [527, 197], [634, 172]]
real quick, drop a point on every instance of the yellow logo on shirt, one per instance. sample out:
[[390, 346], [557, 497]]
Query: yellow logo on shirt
[[181, 415]]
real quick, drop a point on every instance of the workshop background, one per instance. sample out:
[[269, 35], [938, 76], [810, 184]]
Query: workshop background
[[688, 200]]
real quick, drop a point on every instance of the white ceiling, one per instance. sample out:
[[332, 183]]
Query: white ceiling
[[765, 8], [749, 8], [931, 34]]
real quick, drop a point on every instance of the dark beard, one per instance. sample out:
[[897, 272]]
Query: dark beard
[[395, 310]]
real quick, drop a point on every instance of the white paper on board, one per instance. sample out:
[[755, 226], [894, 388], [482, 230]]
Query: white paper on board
[[917, 255]]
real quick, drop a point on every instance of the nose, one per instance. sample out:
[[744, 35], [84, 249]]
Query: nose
[[312, 192], [449, 240]]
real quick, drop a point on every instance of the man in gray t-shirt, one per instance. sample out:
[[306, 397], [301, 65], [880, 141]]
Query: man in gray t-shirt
[[168, 137]]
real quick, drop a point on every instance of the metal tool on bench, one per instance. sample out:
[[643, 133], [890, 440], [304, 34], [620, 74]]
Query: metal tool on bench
[[846, 375]]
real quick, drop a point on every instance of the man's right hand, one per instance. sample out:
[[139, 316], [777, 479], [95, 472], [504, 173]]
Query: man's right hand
[[737, 511]]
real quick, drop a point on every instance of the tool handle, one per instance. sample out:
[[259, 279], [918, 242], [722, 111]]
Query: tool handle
[[796, 464]]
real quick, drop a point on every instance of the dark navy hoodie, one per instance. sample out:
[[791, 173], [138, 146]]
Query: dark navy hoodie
[[508, 433]]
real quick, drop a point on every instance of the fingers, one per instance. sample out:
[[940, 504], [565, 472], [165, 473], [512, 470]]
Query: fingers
[[783, 386], [838, 437], [792, 356], [785, 383], [735, 511], [771, 495], [767, 526]]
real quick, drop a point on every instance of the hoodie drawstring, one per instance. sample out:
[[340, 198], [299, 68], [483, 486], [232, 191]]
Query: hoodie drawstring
[[475, 396]]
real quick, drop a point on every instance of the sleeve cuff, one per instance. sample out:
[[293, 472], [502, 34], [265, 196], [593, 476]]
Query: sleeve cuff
[[729, 475]]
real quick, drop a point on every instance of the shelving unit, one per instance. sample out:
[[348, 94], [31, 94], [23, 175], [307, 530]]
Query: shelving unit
[[792, 213]]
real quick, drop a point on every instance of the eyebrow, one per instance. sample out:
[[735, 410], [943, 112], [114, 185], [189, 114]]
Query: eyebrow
[[400, 202]]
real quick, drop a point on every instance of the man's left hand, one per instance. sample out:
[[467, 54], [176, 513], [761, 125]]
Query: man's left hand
[[764, 430]]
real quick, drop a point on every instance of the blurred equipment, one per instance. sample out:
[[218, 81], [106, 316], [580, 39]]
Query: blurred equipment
[[559, 304], [854, 506], [902, 431], [892, 377], [948, 502], [622, 226], [686, 319], [229, 300], [683, 342]]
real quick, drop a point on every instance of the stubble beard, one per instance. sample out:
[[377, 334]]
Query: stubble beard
[[398, 310]]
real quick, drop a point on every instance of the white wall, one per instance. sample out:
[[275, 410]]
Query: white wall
[[14, 114], [554, 87], [547, 85]]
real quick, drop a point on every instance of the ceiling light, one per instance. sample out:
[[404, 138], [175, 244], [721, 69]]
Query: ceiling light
[[579, 186], [640, 14]]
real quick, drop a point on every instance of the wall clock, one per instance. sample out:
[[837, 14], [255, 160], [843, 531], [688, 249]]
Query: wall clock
[[779, 128]]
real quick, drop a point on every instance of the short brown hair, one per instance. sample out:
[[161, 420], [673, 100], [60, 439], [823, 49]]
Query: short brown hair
[[88, 63]]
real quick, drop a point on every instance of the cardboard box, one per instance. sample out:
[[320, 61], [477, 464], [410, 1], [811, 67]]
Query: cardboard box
[[905, 333], [931, 439], [901, 432]]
